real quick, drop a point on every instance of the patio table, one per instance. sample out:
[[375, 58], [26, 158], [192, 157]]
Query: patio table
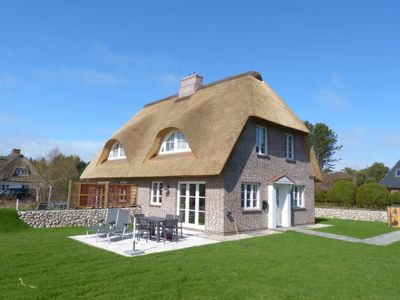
[[157, 221]]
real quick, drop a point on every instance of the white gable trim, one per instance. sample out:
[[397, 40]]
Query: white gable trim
[[284, 180]]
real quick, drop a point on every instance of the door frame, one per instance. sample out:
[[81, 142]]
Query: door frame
[[178, 196]]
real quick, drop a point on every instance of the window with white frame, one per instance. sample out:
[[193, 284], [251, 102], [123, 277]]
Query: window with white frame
[[117, 151], [174, 142], [250, 195], [297, 196], [289, 146], [261, 140], [397, 173], [156, 192]]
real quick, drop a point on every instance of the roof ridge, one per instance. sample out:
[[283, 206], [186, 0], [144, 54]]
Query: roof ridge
[[255, 74]]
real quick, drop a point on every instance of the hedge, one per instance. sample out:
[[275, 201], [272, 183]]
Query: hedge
[[320, 196], [395, 198], [372, 195], [342, 193]]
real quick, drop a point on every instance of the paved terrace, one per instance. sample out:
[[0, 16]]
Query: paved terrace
[[190, 239]]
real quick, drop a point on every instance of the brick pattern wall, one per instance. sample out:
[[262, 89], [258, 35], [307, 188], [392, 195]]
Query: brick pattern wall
[[214, 219], [246, 166]]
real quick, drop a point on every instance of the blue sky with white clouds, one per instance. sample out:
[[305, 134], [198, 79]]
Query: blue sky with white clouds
[[73, 72]]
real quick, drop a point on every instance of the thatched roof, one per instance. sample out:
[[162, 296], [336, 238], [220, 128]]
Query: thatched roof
[[10, 163], [211, 119]]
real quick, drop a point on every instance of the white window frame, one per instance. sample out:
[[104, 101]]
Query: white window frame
[[289, 151], [244, 198], [397, 173], [117, 151], [178, 139], [259, 137], [157, 198], [297, 196]]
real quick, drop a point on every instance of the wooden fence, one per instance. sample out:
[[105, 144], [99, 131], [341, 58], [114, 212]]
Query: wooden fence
[[102, 195]]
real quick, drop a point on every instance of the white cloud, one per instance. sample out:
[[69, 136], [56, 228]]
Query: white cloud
[[330, 95], [37, 147], [78, 75], [330, 98], [170, 79]]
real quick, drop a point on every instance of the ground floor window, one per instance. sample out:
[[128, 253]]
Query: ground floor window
[[297, 196], [250, 195], [192, 202], [156, 192]]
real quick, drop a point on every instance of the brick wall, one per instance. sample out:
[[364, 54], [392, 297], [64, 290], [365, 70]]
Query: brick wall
[[246, 166]]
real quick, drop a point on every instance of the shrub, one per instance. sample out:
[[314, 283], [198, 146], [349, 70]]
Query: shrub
[[320, 197], [395, 198], [342, 193], [372, 195]]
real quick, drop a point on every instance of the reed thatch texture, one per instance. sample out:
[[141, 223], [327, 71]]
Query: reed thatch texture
[[211, 119]]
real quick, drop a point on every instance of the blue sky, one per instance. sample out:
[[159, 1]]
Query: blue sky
[[73, 72]]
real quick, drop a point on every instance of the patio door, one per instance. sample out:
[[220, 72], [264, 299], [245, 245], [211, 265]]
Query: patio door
[[192, 203]]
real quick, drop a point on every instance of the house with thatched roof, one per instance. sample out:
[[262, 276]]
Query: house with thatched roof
[[392, 179], [224, 154], [16, 172]]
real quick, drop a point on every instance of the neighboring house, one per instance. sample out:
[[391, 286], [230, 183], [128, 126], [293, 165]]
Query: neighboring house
[[392, 179], [16, 172], [231, 150], [328, 179]]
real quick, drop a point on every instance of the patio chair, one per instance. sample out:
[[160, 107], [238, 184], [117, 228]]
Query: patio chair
[[111, 217], [120, 227], [144, 227], [170, 226], [180, 221], [168, 216]]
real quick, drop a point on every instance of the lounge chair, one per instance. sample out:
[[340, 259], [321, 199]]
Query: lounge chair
[[111, 217], [120, 227]]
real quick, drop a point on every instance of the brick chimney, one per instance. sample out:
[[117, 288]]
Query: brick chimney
[[190, 84], [15, 152]]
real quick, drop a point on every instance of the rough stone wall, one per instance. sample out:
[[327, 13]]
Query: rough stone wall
[[246, 166], [64, 218], [351, 214]]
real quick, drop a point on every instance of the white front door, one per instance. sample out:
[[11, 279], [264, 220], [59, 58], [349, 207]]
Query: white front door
[[192, 203], [279, 203]]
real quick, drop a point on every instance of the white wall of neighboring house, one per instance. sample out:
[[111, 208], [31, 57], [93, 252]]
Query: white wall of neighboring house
[[13, 185]]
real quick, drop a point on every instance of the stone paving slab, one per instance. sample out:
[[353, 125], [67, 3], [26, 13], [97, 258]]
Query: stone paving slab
[[379, 240]]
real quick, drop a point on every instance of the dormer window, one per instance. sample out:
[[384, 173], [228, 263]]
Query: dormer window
[[174, 142], [21, 172], [116, 152]]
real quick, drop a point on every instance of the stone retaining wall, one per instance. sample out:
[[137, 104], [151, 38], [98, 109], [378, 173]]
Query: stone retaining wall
[[64, 218], [351, 214]]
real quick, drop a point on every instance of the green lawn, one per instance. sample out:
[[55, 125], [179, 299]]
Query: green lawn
[[357, 229], [282, 266]]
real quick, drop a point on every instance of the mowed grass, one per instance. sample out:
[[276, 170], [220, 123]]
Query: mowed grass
[[357, 229], [282, 266]]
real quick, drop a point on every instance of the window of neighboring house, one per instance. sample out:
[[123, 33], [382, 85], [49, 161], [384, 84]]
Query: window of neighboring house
[[397, 173], [117, 151], [21, 172], [174, 142], [261, 140], [289, 146], [250, 195], [156, 192], [297, 196]]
